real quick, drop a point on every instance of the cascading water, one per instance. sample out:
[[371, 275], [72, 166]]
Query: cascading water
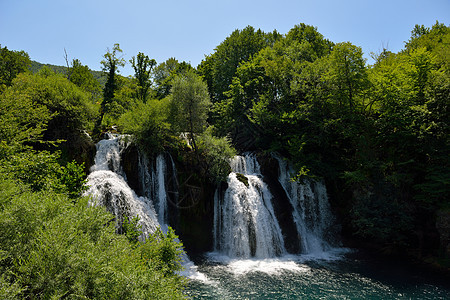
[[108, 187], [245, 224], [154, 183], [311, 210]]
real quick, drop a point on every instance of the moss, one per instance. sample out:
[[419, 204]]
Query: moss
[[242, 178]]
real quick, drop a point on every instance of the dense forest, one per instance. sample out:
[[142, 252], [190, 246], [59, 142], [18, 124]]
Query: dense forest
[[378, 135]]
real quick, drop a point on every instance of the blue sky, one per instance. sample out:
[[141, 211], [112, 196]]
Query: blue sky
[[189, 30]]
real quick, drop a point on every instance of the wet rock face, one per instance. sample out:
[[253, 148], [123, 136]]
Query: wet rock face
[[194, 209], [130, 162], [443, 227], [81, 148]]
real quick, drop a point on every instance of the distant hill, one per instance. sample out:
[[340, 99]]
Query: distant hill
[[36, 66]]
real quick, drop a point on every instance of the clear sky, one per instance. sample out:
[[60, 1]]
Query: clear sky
[[189, 30]]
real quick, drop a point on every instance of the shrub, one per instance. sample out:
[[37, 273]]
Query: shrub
[[53, 248]]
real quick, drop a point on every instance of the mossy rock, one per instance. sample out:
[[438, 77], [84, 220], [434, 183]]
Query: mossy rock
[[242, 178]]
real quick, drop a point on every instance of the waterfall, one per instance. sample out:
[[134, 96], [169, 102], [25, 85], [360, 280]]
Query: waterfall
[[311, 210], [245, 224], [154, 182], [107, 156], [108, 187]]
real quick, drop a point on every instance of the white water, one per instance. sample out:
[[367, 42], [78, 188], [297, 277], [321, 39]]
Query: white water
[[245, 224], [311, 210], [108, 187], [153, 183], [246, 230]]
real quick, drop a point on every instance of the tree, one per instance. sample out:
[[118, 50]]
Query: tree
[[147, 122], [110, 65], [142, 66], [22, 121], [347, 75], [189, 105], [166, 72], [219, 68], [82, 77], [70, 106], [11, 64]]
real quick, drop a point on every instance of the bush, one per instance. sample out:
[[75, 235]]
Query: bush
[[53, 248], [70, 106], [148, 123], [163, 251], [216, 153]]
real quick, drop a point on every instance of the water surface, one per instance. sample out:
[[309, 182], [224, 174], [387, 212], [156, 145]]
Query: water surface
[[332, 275]]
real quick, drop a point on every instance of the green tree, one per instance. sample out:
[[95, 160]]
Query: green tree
[[143, 66], [347, 74], [189, 105], [70, 107], [53, 247], [11, 64], [83, 78], [166, 72], [22, 121], [111, 63], [163, 251], [216, 155], [219, 68], [148, 123]]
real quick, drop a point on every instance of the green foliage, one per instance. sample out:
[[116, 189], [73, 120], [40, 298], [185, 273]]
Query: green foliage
[[70, 108], [142, 66], [11, 64], [163, 251], [35, 67], [189, 105], [73, 179], [38, 169], [82, 76], [219, 68], [124, 100], [52, 248], [216, 155], [147, 122], [131, 229], [319, 104], [382, 219], [242, 178], [165, 73], [347, 75], [52, 243], [22, 121], [111, 64]]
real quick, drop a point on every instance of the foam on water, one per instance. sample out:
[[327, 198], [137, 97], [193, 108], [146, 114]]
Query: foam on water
[[271, 266]]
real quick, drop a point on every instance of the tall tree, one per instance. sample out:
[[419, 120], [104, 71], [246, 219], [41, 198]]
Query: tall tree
[[11, 64], [166, 72], [111, 63], [82, 77], [219, 68], [142, 66], [347, 74], [189, 105]]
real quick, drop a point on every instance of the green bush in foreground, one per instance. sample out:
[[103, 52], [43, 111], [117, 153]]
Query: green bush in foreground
[[52, 248]]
